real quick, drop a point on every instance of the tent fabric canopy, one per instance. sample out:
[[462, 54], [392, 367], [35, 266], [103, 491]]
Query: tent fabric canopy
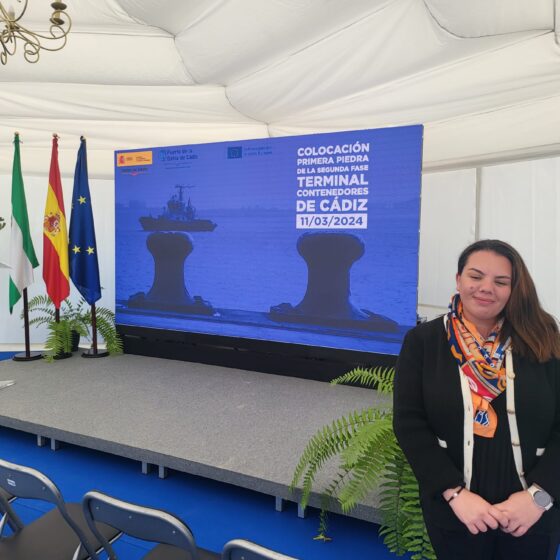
[[482, 76]]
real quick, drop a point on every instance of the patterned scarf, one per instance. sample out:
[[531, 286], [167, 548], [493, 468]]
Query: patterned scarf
[[482, 361]]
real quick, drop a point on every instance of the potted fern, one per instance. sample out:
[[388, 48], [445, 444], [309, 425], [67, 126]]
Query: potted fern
[[75, 322], [369, 458]]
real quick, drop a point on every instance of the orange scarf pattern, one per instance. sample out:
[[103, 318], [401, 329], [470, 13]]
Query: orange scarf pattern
[[482, 361]]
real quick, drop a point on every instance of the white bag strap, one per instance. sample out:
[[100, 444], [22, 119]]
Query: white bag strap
[[468, 429], [512, 418]]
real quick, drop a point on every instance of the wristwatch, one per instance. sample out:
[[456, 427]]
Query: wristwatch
[[540, 497]]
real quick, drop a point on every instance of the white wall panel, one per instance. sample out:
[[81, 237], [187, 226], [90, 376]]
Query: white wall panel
[[447, 226], [520, 204], [103, 199]]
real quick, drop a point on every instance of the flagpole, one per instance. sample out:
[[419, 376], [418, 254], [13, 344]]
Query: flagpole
[[93, 351], [26, 356], [94, 327]]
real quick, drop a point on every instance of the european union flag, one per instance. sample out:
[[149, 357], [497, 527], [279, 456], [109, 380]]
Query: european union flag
[[82, 248]]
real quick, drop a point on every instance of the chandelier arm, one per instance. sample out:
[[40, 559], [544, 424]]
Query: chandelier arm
[[3, 12], [22, 11], [5, 39], [57, 34], [5, 52]]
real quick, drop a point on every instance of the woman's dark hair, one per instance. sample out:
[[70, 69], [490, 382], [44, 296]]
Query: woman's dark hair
[[533, 331]]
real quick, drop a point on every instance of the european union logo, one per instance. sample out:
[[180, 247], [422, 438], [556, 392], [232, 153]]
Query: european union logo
[[235, 152], [82, 248]]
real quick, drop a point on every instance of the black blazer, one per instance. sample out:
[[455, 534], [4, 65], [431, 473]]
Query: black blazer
[[428, 405]]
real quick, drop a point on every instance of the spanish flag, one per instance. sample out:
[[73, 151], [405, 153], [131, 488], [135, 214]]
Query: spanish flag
[[55, 236]]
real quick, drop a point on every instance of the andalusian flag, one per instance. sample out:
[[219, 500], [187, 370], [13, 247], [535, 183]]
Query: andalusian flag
[[55, 236], [22, 254], [84, 268]]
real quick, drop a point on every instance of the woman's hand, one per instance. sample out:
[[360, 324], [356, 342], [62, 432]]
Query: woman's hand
[[475, 512], [521, 511]]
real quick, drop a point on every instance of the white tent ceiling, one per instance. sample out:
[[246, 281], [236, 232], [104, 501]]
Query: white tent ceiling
[[483, 76]]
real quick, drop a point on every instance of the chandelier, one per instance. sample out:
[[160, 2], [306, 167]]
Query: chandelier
[[13, 32]]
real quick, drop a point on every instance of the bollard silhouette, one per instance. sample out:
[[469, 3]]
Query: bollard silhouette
[[329, 258], [168, 291]]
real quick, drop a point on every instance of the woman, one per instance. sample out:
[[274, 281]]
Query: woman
[[477, 413]]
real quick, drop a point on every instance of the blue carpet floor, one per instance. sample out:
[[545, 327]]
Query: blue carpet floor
[[215, 512]]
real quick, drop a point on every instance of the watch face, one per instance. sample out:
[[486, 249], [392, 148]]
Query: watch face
[[542, 498]]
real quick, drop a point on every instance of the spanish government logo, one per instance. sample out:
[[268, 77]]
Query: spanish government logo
[[126, 159]]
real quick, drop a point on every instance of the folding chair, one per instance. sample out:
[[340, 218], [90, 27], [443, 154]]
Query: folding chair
[[6, 497], [240, 549], [60, 534], [154, 525]]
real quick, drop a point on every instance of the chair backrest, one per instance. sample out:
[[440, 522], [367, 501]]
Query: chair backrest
[[26, 482], [240, 549], [144, 523]]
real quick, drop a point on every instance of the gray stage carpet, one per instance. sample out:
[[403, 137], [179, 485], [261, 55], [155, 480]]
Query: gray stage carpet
[[239, 427]]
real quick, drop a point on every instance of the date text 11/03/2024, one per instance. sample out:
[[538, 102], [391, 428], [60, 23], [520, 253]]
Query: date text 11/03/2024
[[331, 221]]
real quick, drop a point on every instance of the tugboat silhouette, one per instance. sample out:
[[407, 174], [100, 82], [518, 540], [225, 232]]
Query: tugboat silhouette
[[178, 216]]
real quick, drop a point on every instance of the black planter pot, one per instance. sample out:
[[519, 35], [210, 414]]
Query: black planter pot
[[75, 341]]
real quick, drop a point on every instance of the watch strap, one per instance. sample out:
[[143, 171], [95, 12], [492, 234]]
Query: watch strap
[[544, 500]]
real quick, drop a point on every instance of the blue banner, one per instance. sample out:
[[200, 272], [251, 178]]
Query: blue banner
[[310, 239]]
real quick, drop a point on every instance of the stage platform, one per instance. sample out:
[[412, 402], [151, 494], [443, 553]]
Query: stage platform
[[239, 427]]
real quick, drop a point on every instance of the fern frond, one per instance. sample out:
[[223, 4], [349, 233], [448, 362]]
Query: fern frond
[[403, 526], [426, 550], [327, 497], [325, 444], [106, 314], [381, 378], [105, 323], [106, 327], [43, 305], [59, 339], [367, 471], [377, 433], [39, 321], [392, 504]]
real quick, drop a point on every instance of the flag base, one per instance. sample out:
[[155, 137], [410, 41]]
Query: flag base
[[25, 357], [62, 356], [90, 353]]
